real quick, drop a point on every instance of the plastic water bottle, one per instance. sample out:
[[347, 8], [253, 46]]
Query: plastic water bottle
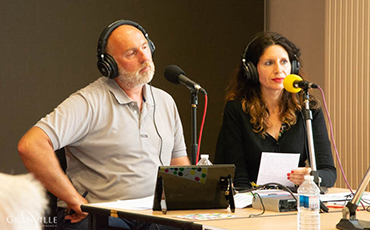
[[308, 205], [204, 160]]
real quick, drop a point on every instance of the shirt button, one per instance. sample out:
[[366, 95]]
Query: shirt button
[[143, 135]]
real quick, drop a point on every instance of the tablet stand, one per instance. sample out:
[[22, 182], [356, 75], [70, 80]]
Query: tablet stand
[[163, 203], [227, 186]]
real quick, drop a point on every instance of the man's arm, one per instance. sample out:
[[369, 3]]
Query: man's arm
[[36, 151], [180, 161]]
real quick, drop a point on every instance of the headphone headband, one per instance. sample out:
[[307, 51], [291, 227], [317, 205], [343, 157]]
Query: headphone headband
[[106, 63], [246, 50], [109, 29]]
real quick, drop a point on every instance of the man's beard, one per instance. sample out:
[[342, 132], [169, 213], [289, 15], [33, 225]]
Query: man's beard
[[131, 80]]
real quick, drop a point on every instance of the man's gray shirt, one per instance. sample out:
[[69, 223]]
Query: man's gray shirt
[[113, 149]]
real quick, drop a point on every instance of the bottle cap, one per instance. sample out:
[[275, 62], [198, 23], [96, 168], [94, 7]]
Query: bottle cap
[[204, 156], [308, 177]]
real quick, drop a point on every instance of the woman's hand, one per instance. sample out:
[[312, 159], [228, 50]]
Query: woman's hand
[[297, 175]]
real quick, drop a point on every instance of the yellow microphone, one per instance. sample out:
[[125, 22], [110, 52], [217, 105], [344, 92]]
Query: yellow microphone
[[294, 83]]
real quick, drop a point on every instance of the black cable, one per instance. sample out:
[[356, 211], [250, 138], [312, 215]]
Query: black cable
[[366, 202], [155, 124], [263, 206], [279, 186]]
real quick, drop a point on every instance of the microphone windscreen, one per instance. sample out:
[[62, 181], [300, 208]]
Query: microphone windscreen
[[289, 83], [172, 72]]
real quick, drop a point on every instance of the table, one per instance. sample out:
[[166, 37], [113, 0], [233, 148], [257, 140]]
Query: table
[[242, 220]]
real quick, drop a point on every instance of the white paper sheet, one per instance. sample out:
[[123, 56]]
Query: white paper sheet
[[134, 204], [331, 197], [243, 200], [275, 166]]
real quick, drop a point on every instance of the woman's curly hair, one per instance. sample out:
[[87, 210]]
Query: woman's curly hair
[[248, 90]]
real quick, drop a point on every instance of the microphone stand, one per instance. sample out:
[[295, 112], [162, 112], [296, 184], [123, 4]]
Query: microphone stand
[[307, 114], [349, 221], [194, 144]]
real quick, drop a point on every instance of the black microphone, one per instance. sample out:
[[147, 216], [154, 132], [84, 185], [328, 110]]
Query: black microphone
[[294, 83], [176, 75], [304, 84]]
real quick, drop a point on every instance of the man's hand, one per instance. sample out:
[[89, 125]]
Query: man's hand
[[76, 215]]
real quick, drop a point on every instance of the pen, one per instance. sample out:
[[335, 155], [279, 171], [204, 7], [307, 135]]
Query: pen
[[83, 195]]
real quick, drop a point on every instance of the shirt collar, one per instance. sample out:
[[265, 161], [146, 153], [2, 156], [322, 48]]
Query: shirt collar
[[122, 97]]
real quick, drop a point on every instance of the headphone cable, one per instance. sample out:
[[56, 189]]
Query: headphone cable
[[155, 124]]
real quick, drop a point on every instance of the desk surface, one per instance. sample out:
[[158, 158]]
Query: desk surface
[[241, 220], [328, 221]]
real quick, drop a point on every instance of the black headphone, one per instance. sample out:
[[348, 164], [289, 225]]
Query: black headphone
[[106, 63], [250, 70]]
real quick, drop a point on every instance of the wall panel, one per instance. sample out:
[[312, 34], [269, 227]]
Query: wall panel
[[347, 81]]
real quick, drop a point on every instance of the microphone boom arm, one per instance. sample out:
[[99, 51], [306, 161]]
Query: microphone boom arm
[[349, 220]]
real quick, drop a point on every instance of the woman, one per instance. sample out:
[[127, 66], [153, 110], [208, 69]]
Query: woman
[[260, 116]]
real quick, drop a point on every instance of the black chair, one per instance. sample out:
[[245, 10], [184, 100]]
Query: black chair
[[51, 212]]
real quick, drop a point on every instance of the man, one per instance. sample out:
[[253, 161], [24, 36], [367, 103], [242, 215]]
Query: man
[[116, 131]]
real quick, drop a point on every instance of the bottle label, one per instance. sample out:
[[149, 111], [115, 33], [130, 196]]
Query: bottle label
[[311, 202]]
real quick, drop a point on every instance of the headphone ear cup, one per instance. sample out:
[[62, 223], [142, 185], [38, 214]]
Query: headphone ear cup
[[107, 66], [250, 72], [295, 67]]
